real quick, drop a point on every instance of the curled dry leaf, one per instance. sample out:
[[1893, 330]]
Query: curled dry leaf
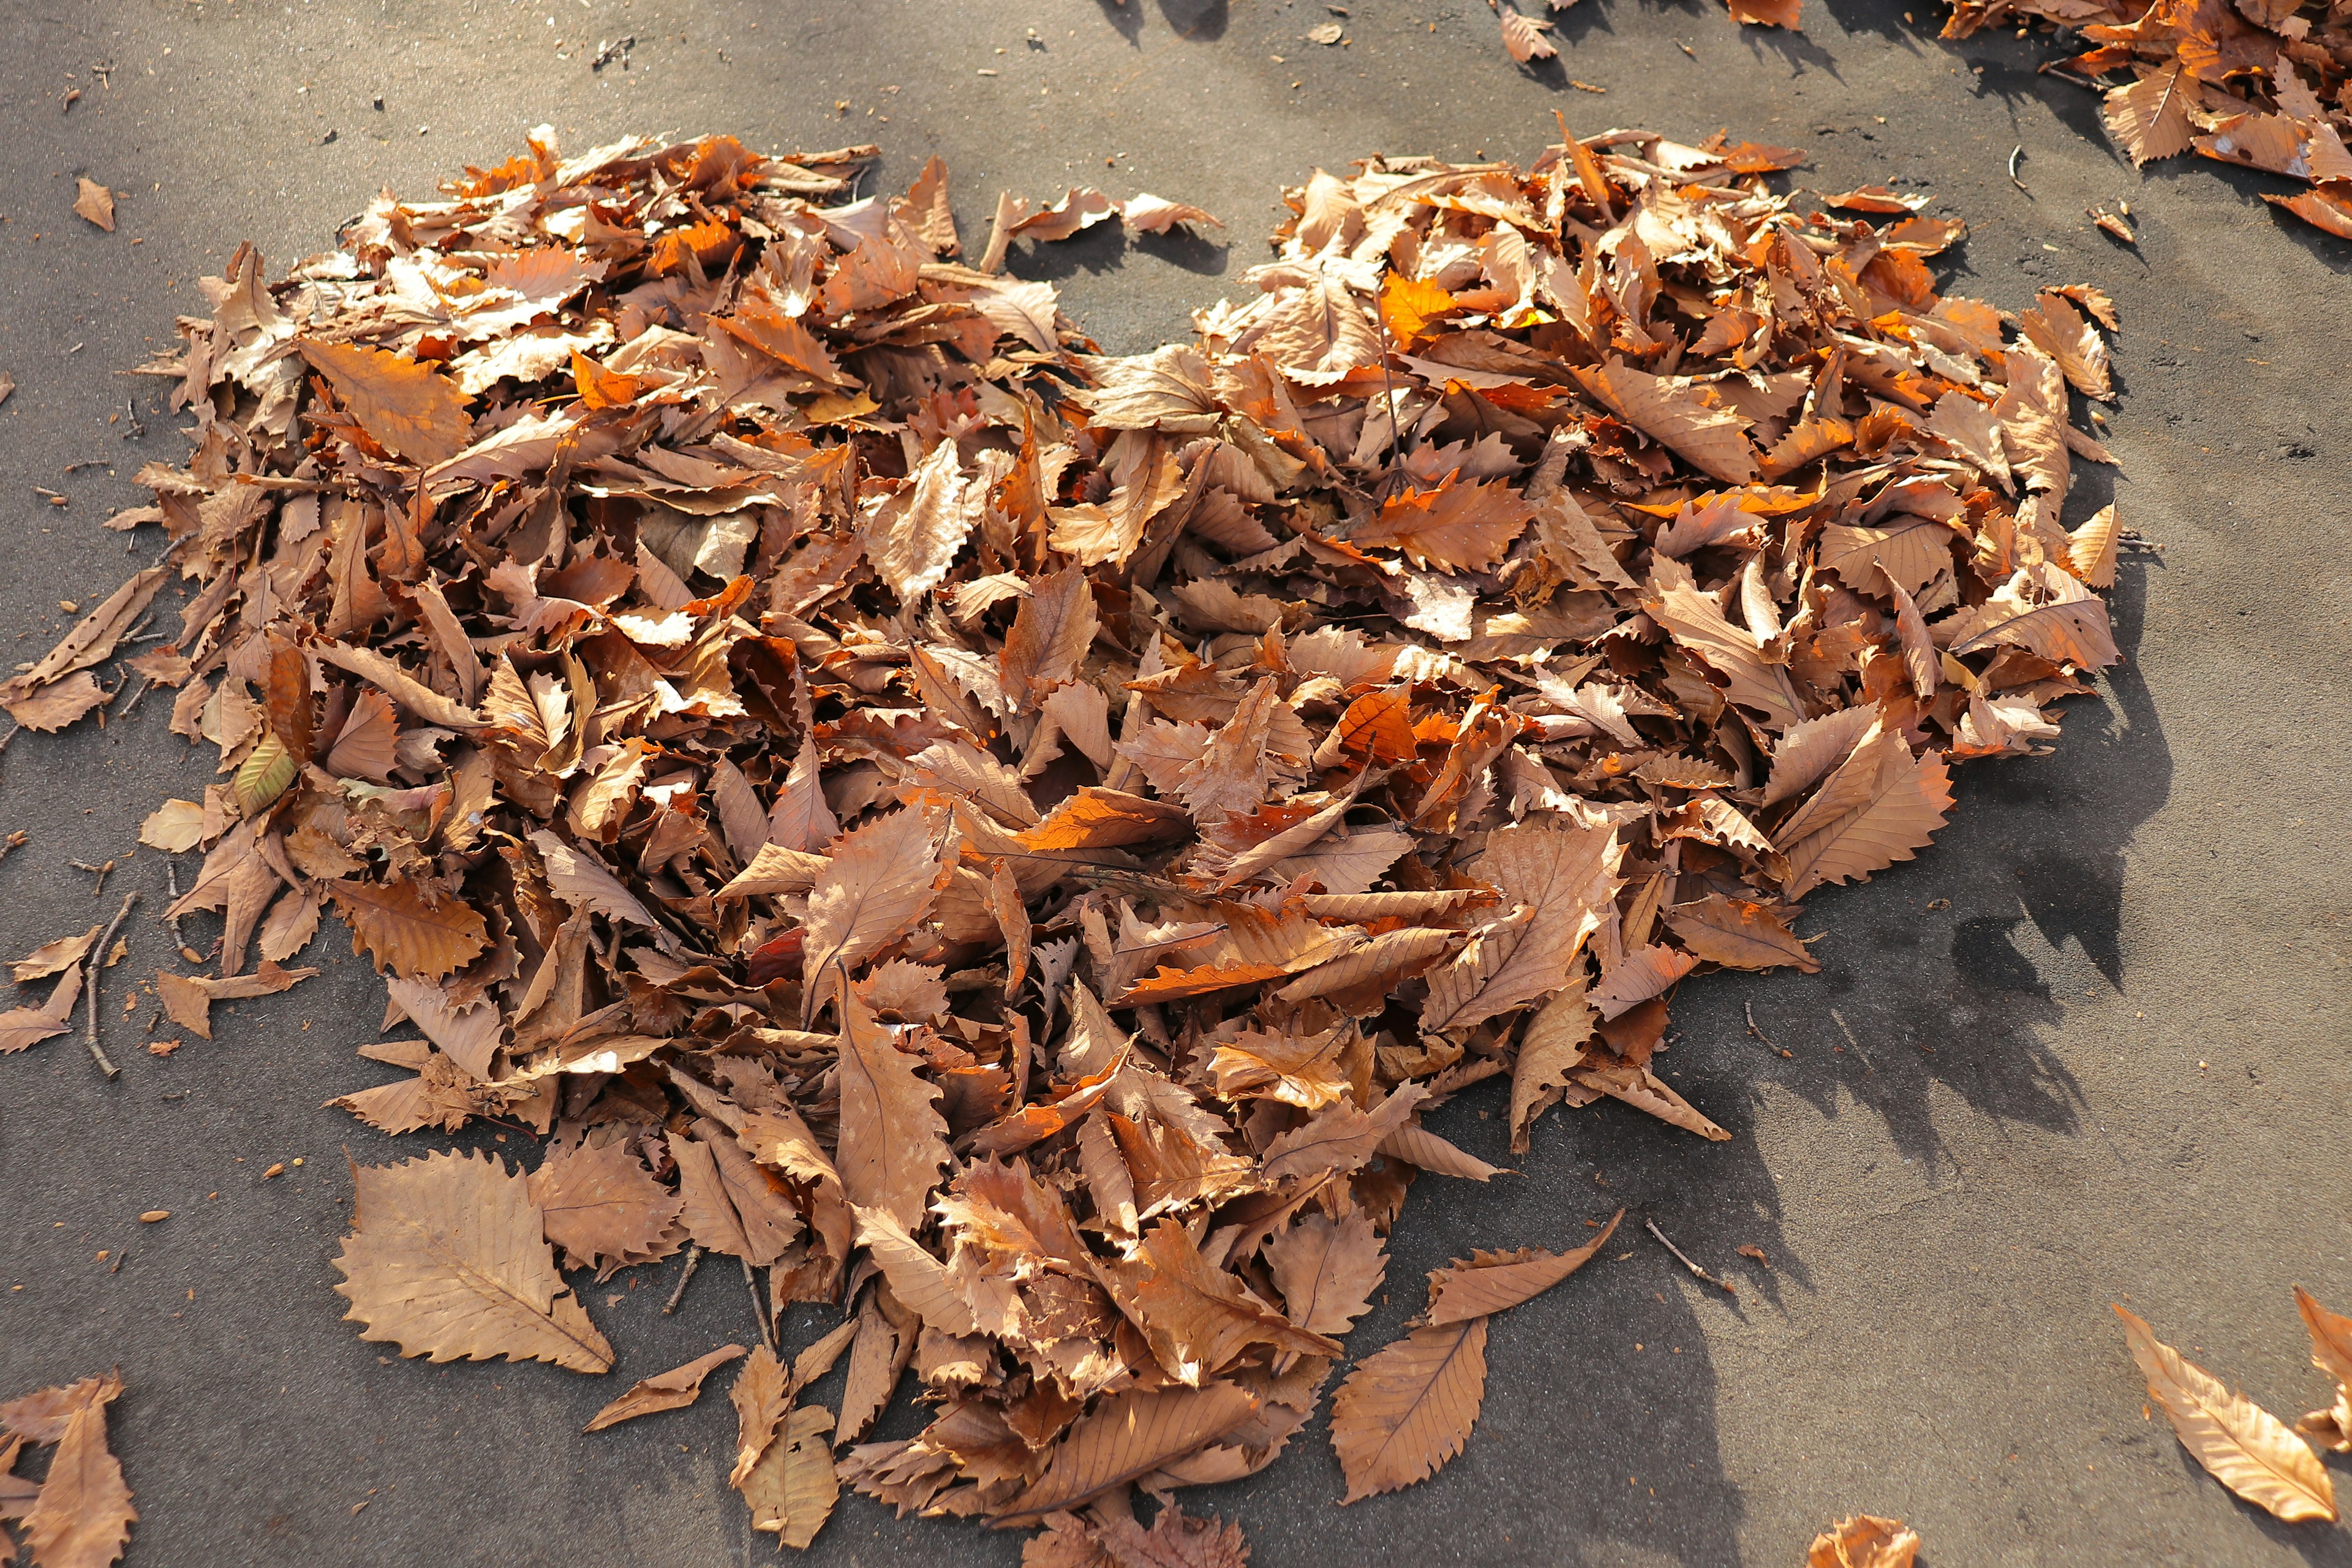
[[1865, 1541], [1496, 1281], [2331, 1353], [1523, 35], [94, 201], [673, 1389], [2245, 1447]]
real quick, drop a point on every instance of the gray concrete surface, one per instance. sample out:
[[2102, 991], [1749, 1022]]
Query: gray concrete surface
[[2112, 1067]]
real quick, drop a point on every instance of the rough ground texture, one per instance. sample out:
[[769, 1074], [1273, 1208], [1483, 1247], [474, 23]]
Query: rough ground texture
[[2019, 1130]]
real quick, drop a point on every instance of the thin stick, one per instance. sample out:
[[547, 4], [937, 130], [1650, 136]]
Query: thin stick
[[136, 698], [1867, 1065], [759, 1313], [97, 966], [2016, 154], [13, 841], [693, 1262], [179, 940], [1724, 1285], [1749, 1009]]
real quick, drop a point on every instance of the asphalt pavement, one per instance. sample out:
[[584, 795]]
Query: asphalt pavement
[[2088, 1048]]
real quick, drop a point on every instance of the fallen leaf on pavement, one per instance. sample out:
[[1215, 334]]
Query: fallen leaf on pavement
[[446, 1259], [94, 201], [673, 1389], [2331, 1353], [2245, 1447], [1865, 1541]]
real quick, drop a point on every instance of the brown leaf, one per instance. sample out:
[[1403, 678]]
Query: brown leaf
[[22, 1026], [881, 879], [2092, 554], [411, 410], [446, 1259], [1560, 879], [41, 1416], [1714, 440], [2331, 1353], [96, 202], [1553, 1047], [599, 1203], [2149, 119], [1197, 1319], [83, 1517], [915, 535], [175, 826], [1495, 1282], [2045, 612], [1147, 214], [792, 1489], [406, 930], [2058, 330], [1879, 807], [672, 1390], [1408, 1407], [1128, 1437], [188, 998], [1051, 633], [2247, 1448], [1524, 36], [1696, 622], [404, 689], [1740, 934], [1327, 1269], [55, 706], [893, 1140], [1456, 527], [1865, 1541], [53, 957]]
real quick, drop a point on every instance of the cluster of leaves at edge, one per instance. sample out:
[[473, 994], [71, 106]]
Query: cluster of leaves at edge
[[1010, 842], [2263, 84]]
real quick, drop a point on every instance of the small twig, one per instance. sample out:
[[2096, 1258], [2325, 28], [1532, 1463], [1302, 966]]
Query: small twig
[[759, 1313], [693, 1262], [179, 939], [14, 840], [1867, 1065], [100, 873], [97, 967], [2016, 154], [136, 698], [1724, 1285], [120, 1253], [1749, 1009]]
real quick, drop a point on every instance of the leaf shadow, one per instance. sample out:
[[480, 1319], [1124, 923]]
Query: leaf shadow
[[1196, 21], [1799, 52], [1126, 19]]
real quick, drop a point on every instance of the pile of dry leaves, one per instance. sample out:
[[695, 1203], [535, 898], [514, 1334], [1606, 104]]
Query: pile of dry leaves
[[1011, 843], [2266, 84]]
